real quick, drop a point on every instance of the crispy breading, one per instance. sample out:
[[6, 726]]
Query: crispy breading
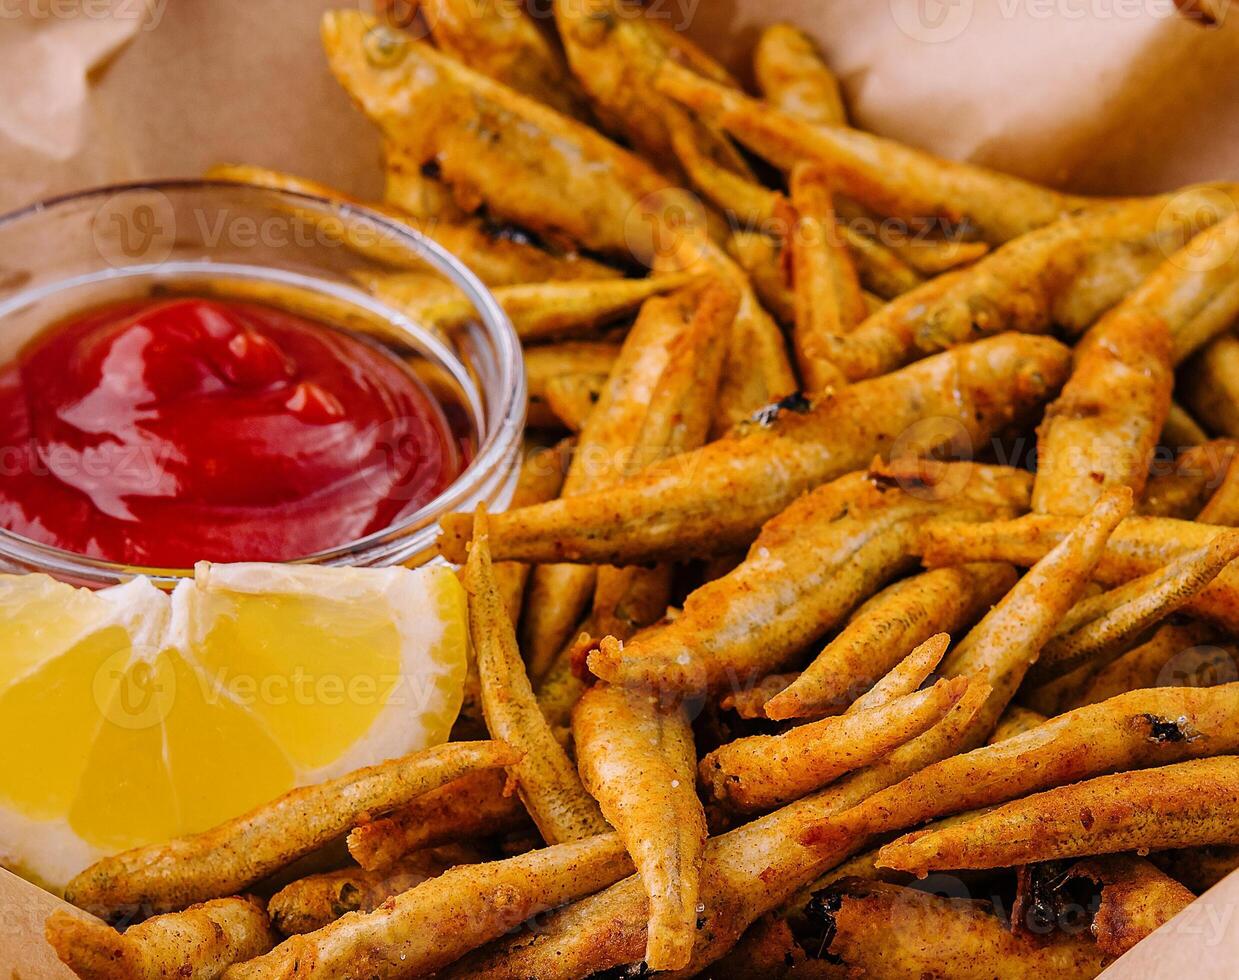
[[1001, 648], [809, 567], [1024, 284], [637, 758], [498, 261], [793, 77], [559, 594], [1189, 804], [1103, 429], [539, 311], [1161, 593], [1016, 720], [503, 42], [1211, 385], [546, 779], [1187, 655], [227, 858], [615, 50], [677, 419], [760, 772], [527, 163], [887, 176], [1134, 730], [312, 902], [826, 293], [540, 479], [582, 364], [468, 905], [199, 943], [748, 872], [1182, 488], [475, 805], [712, 501], [884, 628], [889, 932], [1134, 898], [1140, 545], [1223, 507]]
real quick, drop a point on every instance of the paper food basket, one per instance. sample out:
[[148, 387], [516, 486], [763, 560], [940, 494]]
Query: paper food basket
[[1098, 96]]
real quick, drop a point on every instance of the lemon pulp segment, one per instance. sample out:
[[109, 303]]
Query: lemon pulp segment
[[130, 716]]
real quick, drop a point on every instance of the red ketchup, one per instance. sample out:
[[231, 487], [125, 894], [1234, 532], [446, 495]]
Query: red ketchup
[[162, 432]]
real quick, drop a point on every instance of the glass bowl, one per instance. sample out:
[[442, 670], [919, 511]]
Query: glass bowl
[[303, 253]]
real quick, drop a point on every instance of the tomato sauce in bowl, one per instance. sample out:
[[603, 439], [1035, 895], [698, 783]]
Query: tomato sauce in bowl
[[160, 432]]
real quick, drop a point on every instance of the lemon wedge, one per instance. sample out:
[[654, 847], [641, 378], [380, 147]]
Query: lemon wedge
[[130, 715]]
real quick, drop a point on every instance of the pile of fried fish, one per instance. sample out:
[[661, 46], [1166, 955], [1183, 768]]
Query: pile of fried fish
[[866, 606]]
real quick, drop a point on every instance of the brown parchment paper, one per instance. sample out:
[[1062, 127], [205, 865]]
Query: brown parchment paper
[[1104, 96]]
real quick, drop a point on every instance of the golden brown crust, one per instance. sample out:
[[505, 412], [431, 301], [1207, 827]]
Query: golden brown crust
[[467, 905], [826, 293], [1111, 736], [312, 902], [1222, 508], [1159, 594], [558, 595], [1104, 427], [889, 177], [793, 77], [888, 932], [615, 50], [1170, 658], [476, 805], [591, 359], [501, 41], [637, 759], [497, 261], [541, 478], [1140, 545], [1078, 262], [713, 500], [880, 631], [1016, 720], [748, 872], [677, 419], [1134, 899], [1211, 385], [241, 851], [808, 569], [529, 164], [199, 943], [1182, 488], [1188, 804], [577, 308], [546, 779], [760, 772]]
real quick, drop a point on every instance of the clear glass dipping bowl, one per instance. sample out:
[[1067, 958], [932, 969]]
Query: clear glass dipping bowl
[[303, 253]]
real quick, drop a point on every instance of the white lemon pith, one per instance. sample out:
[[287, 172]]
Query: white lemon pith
[[129, 715]]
